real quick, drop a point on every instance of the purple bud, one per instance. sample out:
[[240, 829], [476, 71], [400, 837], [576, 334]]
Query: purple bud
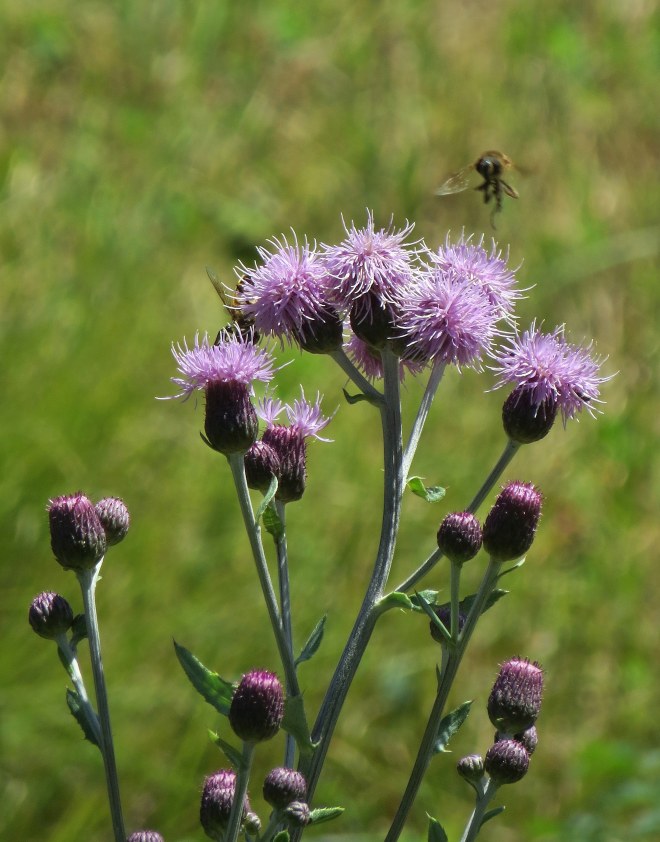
[[50, 615], [372, 320], [261, 464], [145, 836], [471, 767], [290, 446], [282, 786], [321, 333], [114, 516], [443, 612], [529, 738], [231, 424], [77, 537], [515, 700], [257, 707], [298, 813], [525, 420], [459, 537], [507, 761], [252, 824], [217, 798], [510, 526]]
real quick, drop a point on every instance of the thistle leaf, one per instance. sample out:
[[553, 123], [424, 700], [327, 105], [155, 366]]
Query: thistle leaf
[[211, 687]]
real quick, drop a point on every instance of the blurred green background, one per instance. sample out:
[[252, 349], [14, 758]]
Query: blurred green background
[[141, 141]]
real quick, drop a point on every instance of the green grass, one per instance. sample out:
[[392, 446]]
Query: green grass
[[141, 142]]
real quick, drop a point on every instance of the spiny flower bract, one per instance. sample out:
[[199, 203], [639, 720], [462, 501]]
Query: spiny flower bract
[[232, 360], [551, 369]]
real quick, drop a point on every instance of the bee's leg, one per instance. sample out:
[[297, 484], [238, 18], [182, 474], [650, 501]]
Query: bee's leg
[[484, 189]]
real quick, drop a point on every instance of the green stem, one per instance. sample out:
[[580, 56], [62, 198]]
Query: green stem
[[453, 660], [254, 535], [242, 779], [422, 413], [88, 580], [366, 620], [508, 453], [474, 824], [357, 377], [68, 657], [455, 590], [285, 611]]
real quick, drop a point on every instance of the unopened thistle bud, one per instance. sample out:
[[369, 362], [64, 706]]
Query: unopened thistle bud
[[515, 700], [510, 526], [231, 424], [50, 615], [217, 799], [261, 464], [525, 419], [282, 786], [145, 836], [115, 519], [257, 707], [77, 537], [529, 738], [291, 449], [373, 321], [459, 537], [471, 767], [298, 813], [507, 761], [443, 612]]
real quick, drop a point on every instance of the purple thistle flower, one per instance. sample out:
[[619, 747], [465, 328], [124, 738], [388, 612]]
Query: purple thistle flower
[[369, 267], [448, 319], [286, 294], [489, 272], [551, 370], [269, 409], [306, 418], [231, 361], [369, 361]]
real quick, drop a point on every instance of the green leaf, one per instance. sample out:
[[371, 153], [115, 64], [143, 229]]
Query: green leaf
[[78, 629], [80, 713], [232, 754], [273, 524], [493, 597], [427, 608], [268, 496], [428, 595], [396, 599], [491, 814], [313, 642], [282, 836], [436, 831], [512, 568], [352, 399], [213, 689], [325, 814], [449, 725], [431, 493], [295, 723]]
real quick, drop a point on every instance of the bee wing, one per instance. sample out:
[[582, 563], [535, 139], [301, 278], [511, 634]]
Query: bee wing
[[457, 182]]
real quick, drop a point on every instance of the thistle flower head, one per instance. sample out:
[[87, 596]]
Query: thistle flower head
[[448, 318], [216, 803], [506, 761], [230, 361], [369, 261], [515, 700], [489, 272], [551, 370], [145, 836], [285, 294], [115, 518], [306, 418], [471, 767], [282, 786], [510, 525], [459, 536]]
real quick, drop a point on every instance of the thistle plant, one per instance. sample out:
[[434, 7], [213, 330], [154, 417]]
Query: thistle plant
[[385, 308]]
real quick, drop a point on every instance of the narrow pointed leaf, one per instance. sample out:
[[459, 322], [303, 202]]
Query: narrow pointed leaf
[[355, 398], [282, 836], [431, 493], [494, 596], [268, 496], [273, 524], [512, 568], [396, 599], [491, 814], [313, 642], [295, 723], [232, 754], [325, 814], [433, 617], [429, 595], [80, 714], [211, 687], [436, 831], [449, 725]]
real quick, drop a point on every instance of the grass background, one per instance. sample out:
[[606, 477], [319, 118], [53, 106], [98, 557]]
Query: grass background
[[141, 141]]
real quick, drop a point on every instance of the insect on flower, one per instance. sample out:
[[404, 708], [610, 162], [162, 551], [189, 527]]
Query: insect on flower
[[491, 166], [239, 324]]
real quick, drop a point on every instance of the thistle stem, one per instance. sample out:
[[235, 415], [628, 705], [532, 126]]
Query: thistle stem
[[70, 661], [242, 779], [88, 579], [422, 413], [285, 611], [453, 661], [254, 534], [483, 800], [357, 377]]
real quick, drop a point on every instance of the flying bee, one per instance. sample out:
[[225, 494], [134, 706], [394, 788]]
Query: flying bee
[[491, 166], [240, 325]]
